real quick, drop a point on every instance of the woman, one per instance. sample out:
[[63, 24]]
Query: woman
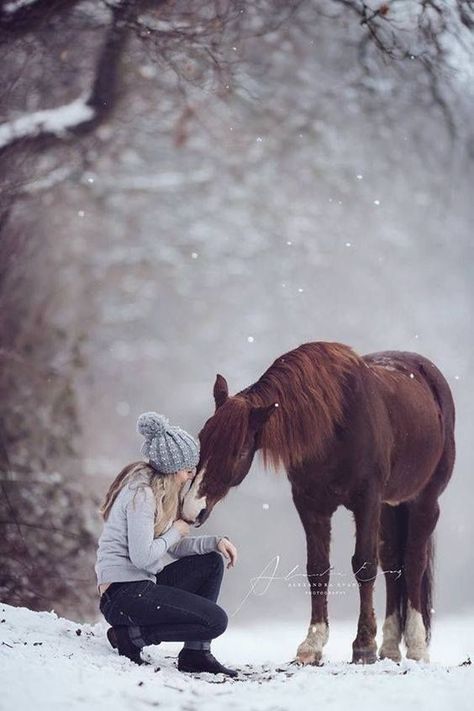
[[155, 582]]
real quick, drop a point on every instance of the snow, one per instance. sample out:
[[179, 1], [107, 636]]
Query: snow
[[50, 663], [55, 121], [165, 180], [59, 175], [14, 5]]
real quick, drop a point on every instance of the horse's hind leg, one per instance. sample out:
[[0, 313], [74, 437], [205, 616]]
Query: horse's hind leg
[[423, 514], [422, 517], [393, 522]]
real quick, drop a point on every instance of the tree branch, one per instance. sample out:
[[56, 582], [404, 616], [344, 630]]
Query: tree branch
[[18, 19], [82, 115]]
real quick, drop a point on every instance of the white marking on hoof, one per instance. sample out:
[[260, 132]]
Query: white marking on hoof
[[415, 636], [392, 636], [310, 651]]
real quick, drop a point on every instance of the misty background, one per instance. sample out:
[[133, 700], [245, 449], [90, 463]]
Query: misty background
[[249, 177]]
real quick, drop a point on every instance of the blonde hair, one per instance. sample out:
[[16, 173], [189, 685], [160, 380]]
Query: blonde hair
[[166, 488]]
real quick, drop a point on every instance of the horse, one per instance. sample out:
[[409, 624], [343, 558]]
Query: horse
[[372, 433]]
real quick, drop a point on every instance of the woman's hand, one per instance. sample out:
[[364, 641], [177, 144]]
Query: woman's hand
[[182, 526], [229, 550]]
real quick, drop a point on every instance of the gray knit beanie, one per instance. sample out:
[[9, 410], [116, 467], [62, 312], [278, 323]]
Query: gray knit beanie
[[167, 447]]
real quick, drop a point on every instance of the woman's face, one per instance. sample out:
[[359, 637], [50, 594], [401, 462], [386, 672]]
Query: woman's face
[[184, 475]]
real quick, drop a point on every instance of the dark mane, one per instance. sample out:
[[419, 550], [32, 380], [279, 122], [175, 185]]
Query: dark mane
[[308, 384]]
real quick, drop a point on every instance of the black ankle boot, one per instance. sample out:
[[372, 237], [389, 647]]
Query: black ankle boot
[[120, 640], [201, 660]]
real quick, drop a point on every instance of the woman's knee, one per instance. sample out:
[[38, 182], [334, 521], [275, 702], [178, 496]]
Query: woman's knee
[[215, 559], [215, 620], [220, 621]]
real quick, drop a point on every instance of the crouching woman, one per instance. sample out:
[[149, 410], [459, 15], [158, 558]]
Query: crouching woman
[[156, 583]]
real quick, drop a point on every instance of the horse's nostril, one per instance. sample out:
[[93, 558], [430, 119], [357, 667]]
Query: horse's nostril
[[201, 515]]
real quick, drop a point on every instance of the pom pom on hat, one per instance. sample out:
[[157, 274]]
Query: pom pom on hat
[[168, 448], [151, 424]]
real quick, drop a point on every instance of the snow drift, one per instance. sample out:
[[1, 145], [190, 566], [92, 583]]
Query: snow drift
[[50, 663]]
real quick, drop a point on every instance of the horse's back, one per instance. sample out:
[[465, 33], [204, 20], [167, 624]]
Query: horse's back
[[409, 363]]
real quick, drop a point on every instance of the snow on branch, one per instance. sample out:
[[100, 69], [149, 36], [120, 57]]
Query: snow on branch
[[52, 121], [85, 113], [150, 183], [14, 5], [18, 17]]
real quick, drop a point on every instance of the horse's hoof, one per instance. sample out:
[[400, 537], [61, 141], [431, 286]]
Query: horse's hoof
[[309, 657], [310, 650], [310, 660], [418, 655], [392, 653], [364, 656]]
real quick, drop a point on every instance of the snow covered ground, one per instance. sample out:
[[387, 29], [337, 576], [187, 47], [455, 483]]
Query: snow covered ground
[[48, 663]]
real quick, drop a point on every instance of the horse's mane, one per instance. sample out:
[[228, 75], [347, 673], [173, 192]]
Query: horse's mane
[[308, 385]]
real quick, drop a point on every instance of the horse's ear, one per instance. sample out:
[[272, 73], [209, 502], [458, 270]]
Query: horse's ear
[[221, 391], [259, 415]]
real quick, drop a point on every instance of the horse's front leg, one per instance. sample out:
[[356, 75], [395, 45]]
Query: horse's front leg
[[364, 565], [318, 534]]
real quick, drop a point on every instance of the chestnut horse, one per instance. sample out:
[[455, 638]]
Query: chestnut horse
[[373, 433]]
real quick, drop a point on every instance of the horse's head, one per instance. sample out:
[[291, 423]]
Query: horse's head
[[229, 440]]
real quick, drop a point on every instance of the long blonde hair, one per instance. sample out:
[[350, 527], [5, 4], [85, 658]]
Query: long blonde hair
[[166, 488]]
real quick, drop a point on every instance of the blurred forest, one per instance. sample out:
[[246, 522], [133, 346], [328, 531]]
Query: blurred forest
[[189, 188]]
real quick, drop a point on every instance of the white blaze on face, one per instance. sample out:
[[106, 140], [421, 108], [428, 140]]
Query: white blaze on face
[[192, 505]]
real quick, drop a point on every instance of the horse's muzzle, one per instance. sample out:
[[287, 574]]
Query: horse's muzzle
[[201, 517]]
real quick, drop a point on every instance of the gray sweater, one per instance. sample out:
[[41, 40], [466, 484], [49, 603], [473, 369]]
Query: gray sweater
[[127, 549]]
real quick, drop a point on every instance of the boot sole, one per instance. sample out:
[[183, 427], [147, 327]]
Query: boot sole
[[190, 670], [206, 671]]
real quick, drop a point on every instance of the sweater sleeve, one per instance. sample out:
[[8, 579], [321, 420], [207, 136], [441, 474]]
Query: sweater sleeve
[[144, 550], [191, 545]]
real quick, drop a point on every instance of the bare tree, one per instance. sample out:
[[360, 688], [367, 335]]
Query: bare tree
[[426, 31]]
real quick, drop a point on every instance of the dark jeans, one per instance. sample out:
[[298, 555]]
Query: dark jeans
[[180, 606]]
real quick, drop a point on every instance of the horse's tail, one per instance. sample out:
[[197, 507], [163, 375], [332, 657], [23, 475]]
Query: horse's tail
[[427, 589], [443, 396], [426, 581], [402, 526], [442, 393], [444, 399]]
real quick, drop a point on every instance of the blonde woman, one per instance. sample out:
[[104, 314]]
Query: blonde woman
[[155, 582]]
